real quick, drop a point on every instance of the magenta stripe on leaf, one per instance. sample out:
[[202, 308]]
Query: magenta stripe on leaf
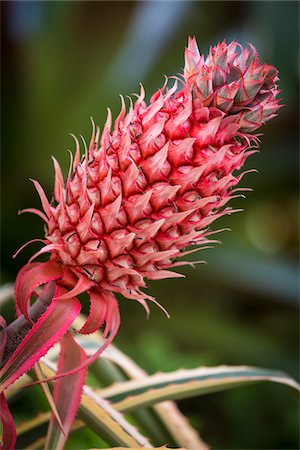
[[48, 330]]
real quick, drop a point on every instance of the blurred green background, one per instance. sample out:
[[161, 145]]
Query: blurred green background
[[63, 62]]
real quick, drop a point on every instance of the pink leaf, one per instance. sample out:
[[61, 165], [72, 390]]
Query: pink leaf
[[83, 284], [97, 314], [44, 200], [67, 391], [9, 435], [49, 328], [112, 318], [18, 282], [112, 326], [29, 280]]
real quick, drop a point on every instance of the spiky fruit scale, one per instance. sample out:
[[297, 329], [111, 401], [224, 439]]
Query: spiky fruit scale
[[153, 183]]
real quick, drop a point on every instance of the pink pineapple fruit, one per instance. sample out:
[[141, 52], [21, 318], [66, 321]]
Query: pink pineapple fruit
[[156, 180], [150, 186]]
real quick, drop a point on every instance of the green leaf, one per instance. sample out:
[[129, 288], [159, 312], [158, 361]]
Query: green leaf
[[130, 395]]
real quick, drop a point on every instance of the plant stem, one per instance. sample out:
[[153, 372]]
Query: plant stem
[[17, 330]]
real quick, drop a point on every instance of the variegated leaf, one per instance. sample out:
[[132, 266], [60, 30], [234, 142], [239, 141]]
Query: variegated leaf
[[130, 395]]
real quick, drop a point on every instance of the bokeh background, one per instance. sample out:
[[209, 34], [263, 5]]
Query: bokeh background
[[63, 62]]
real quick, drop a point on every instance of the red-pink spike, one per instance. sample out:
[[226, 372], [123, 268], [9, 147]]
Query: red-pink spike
[[44, 200], [135, 209], [59, 180], [110, 213], [77, 153], [153, 109], [150, 134], [129, 178], [153, 166]]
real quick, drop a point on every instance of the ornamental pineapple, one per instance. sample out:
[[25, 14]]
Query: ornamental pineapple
[[152, 184]]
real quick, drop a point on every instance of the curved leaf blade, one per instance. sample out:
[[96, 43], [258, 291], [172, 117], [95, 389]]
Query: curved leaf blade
[[186, 383], [167, 412], [31, 277]]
